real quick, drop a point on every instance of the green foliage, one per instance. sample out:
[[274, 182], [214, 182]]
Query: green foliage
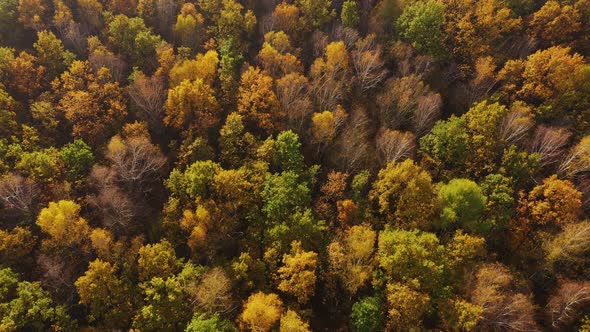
[[350, 15], [78, 159], [421, 24], [446, 144], [462, 202], [367, 314], [203, 323], [283, 194], [27, 306], [133, 38], [286, 155]]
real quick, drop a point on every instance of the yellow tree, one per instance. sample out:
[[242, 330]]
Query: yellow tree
[[405, 194], [261, 312], [191, 105], [350, 256], [62, 222], [297, 276], [257, 101]]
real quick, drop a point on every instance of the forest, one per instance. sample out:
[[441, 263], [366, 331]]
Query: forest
[[294, 165]]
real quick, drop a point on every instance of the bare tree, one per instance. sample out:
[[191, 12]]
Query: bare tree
[[549, 143], [116, 209], [394, 145], [348, 35], [135, 159], [352, 146], [503, 308], [368, 65], [516, 124], [426, 113], [567, 304], [483, 81], [104, 58], [410, 62], [408, 99], [293, 94], [148, 94], [577, 160], [19, 193]]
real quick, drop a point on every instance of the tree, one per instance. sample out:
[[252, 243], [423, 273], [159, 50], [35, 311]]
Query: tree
[[261, 311], [405, 256], [395, 146], [106, 294], [31, 14], [189, 24], [17, 192], [350, 257], [213, 292], [157, 260], [292, 92], [404, 194], [499, 207], [409, 101], [286, 154], [315, 13], [132, 38], [297, 276], [16, 246], [62, 222], [405, 306], [329, 76], [148, 95], [78, 159], [292, 322], [50, 53], [204, 67], [462, 203], [368, 65], [236, 144], [577, 160], [556, 23], [257, 101], [367, 314], [349, 14], [282, 194], [421, 25], [549, 143], [204, 323], [135, 159], [91, 102], [568, 303], [191, 105], [323, 127], [566, 252], [477, 29], [553, 203], [27, 306], [552, 78], [503, 307], [285, 17]]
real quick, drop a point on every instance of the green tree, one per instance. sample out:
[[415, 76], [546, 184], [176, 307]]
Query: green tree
[[51, 53], [350, 15], [26, 306], [133, 38], [214, 323], [78, 159], [421, 24], [282, 194], [367, 314], [462, 202]]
